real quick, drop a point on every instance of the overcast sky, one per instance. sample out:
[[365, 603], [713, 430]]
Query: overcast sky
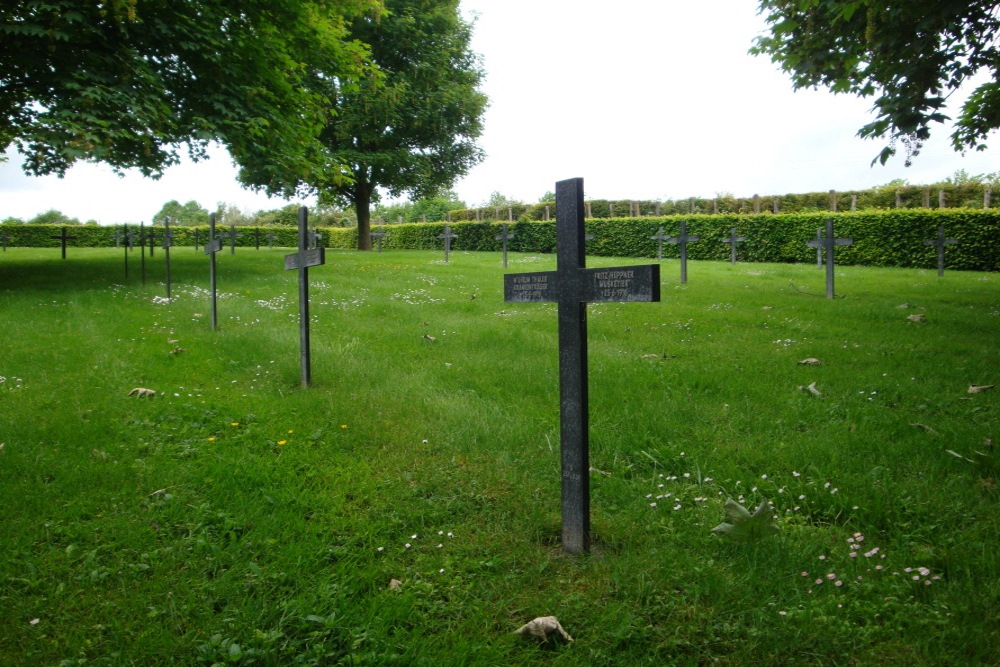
[[644, 99]]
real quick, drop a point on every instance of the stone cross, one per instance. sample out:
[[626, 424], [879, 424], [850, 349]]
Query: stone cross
[[256, 237], [732, 241], [231, 236], [447, 236], [828, 243], [940, 242], [502, 237], [212, 246], [659, 238], [378, 235], [572, 286], [127, 234], [168, 241], [62, 238], [118, 238], [197, 239], [271, 238], [142, 252], [5, 239], [302, 260], [130, 235], [683, 241], [152, 239]]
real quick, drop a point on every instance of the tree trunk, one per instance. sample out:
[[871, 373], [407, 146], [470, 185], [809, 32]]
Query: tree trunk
[[363, 209]]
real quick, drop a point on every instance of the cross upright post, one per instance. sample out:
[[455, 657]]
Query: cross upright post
[[732, 241], [62, 238], [302, 260], [659, 238], [572, 286], [256, 237], [231, 237], [683, 241], [940, 242], [212, 246], [168, 240], [502, 237], [152, 239], [118, 238], [448, 235], [142, 252], [5, 239], [819, 248], [828, 244], [127, 233], [197, 239]]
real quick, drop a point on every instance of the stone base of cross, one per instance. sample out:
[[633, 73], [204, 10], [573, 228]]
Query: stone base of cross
[[572, 286]]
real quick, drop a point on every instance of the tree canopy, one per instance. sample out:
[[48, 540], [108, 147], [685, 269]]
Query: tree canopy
[[130, 82], [911, 55], [409, 128]]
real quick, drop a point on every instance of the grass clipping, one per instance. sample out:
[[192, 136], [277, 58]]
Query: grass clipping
[[742, 526]]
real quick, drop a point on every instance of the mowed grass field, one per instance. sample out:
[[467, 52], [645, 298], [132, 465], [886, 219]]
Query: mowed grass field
[[237, 518]]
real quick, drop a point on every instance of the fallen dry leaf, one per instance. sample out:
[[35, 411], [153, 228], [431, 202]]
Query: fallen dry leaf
[[811, 388], [395, 585], [430, 338], [142, 392], [542, 628], [811, 361], [917, 317], [980, 388]]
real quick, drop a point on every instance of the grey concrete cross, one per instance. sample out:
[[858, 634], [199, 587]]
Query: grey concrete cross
[[732, 241], [5, 239], [659, 238], [314, 239], [231, 237], [940, 242], [448, 235], [301, 261], [572, 286], [168, 241], [828, 243], [271, 238], [683, 241]]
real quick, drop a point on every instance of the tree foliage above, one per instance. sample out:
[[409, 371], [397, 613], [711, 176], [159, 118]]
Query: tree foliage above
[[910, 55], [129, 82]]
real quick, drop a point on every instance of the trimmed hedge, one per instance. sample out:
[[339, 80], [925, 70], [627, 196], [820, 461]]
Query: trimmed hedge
[[881, 238]]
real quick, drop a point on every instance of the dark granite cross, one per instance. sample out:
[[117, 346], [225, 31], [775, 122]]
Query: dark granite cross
[[168, 241], [940, 242], [127, 234], [828, 243], [197, 239], [231, 236], [212, 246], [256, 237], [271, 237], [659, 238], [4, 239], [130, 235], [142, 252], [302, 260], [502, 237], [378, 235], [62, 238], [572, 286], [152, 239], [447, 236], [732, 241], [683, 241]]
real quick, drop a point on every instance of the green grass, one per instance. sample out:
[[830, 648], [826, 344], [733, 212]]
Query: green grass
[[179, 530]]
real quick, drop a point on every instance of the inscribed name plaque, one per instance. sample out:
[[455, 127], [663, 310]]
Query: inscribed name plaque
[[620, 283], [305, 258]]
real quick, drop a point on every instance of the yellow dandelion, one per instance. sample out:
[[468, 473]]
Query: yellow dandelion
[[211, 439], [234, 423], [281, 442], [343, 426], [291, 430]]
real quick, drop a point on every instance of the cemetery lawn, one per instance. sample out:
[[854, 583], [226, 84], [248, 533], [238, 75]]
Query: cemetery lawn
[[239, 519]]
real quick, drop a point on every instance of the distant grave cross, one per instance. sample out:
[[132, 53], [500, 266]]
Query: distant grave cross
[[447, 236], [231, 236], [62, 238], [683, 241], [572, 286], [127, 234], [828, 243], [118, 238], [4, 239], [168, 241], [314, 239], [197, 239], [732, 241], [302, 260], [130, 235], [378, 235], [502, 237], [940, 242], [659, 238], [256, 237], [212, 246], [152, 239], [271, 237], [819, 248], [142, 252]]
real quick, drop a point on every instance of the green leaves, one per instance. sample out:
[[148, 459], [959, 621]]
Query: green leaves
[[742, 526]]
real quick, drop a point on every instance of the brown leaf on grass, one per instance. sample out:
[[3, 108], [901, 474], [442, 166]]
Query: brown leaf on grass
[[142, 392], [542, 628], [429, 338], [395, 585], [811, 361], [980, 388], [811, 388]]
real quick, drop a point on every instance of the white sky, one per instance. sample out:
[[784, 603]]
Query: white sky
[[644, 99]]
